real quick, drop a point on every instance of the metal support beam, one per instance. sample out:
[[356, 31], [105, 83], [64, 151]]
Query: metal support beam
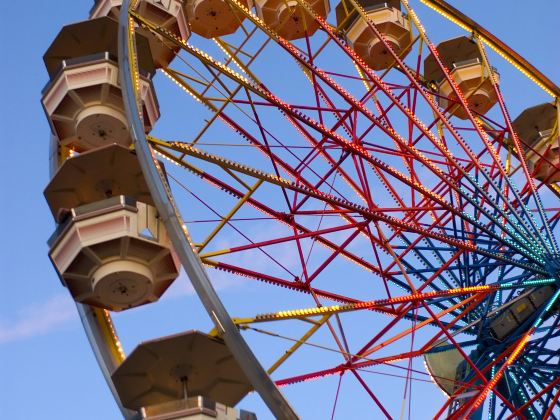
[[96, 323], [161, 195]]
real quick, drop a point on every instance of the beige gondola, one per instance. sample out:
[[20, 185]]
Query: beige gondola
[[214, 18], [167, 14], [110, 249], [387, 18], [186, 376], [289, 19], [83, 100], [462, 57], [535, 127]]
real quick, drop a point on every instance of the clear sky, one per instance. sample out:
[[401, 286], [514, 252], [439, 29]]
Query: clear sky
[[47, 369]]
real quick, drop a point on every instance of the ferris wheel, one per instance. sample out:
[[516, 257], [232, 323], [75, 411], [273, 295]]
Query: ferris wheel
[[390, 225]]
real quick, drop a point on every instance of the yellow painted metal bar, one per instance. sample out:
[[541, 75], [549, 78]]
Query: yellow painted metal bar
[[240, 322], [232, 212], [333, 309], [184, 75], [214, 253], [240, 51], [556, 128], [109, 334], [183, 85], [159, 144], [298, 344], [102, 316], [556, 189], [134, 60], [516, 60], [195, 170], [226, 163], [173, 75], [237, 178], [233, 55], [243, 322]]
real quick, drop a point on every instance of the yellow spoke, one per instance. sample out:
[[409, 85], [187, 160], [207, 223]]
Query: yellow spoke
[[232, 212], [298, 343]]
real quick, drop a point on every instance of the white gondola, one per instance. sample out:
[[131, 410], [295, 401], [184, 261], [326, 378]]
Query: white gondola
[[114, 254]]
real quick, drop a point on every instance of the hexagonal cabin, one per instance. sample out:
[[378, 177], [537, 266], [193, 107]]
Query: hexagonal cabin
[[83, 100], [534, 127], [213, 18], [171, 376], [110, 249], [389, 20], [168, 14], [461, 56], [289, 19]]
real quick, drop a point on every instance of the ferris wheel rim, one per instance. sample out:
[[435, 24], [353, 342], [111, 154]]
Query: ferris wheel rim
[[178, 234]]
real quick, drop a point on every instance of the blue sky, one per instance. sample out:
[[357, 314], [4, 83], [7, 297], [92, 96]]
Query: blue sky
[[46, 367]]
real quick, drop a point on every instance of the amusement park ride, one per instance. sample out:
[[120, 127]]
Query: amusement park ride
[[367, 184]]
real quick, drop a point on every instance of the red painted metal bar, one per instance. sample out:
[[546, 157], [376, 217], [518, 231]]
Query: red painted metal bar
[[305, 119], [364, 187], [350, 365], [371, 394], [472, 303], [483, 370], [375, 79], [553, 403], [547, 389], [337, 251], [281, 217], [294, 285], [366, 213], [336, 202]]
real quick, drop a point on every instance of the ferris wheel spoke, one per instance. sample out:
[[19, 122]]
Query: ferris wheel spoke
[[516, 142], [471, 301], [515, 225], [510, 355], [372, 26], [471, 195], [371, 394], [414, 245], [554, 403], [266, 150], [296, 236], [528, 387], [374, 215], [209, 61], [545, 243], [354, 366]]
